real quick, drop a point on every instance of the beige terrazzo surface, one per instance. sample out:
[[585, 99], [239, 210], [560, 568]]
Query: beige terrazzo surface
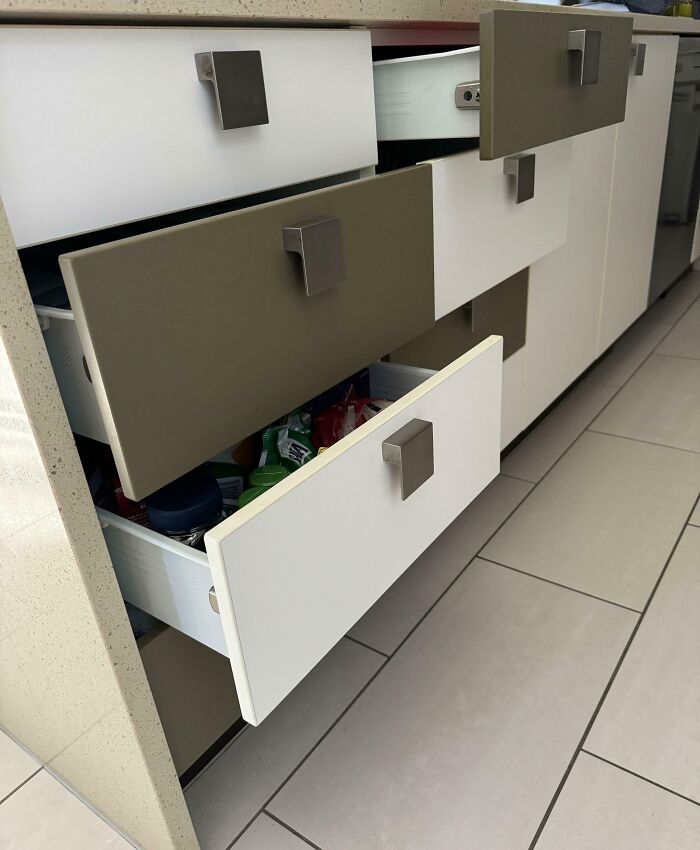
[[72, 687], [364, 12]]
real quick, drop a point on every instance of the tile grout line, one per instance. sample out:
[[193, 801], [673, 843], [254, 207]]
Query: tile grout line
[[21, 785], [639, 776], [677, 356], [347, 708], [606, 690], [559, 584], [639, 440], [517, 478], [291, 829], [367, 646]]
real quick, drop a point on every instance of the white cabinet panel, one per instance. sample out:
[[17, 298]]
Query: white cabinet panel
[[638, 167], [565, 286]]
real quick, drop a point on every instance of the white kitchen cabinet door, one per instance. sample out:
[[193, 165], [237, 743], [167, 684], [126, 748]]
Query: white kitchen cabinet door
[[565, 286], [637, 171]]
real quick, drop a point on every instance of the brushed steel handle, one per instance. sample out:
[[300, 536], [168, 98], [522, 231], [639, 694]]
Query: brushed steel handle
[[239, 86], [213, 601], [585, 44], [522, 168], [319, 243], [639, 52], [411, 450]]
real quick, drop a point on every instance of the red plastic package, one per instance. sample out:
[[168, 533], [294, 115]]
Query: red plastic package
[[338, 421]]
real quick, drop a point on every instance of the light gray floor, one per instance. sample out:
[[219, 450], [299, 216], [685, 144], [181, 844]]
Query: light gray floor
[[530, 682]]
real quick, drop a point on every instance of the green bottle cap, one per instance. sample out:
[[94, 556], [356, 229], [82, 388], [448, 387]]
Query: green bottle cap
[[267, 476], [250, 494]]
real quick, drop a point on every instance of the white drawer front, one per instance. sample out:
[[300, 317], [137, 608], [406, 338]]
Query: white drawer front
[[482, 236], [298, 567], [106, 125]]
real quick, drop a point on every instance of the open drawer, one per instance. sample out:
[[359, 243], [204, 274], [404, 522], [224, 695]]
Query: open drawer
[[534, 78], [292, 571], [197, 335], [103, 125]]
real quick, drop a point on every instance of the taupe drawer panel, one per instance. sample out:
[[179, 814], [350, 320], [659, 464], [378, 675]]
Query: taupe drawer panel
[[500, 310], [530, 80], [201, 334]]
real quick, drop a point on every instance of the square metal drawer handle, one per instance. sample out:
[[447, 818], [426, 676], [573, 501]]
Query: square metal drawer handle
[[639, 52], [239, 85], [213, 601], [585, 44], [411, 450], [522, 167], [319, 243]]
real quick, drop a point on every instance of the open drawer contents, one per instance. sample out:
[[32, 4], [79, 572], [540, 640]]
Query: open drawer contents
[[291, 570]]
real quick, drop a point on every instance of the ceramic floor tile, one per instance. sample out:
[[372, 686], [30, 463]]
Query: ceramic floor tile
[[649, 721], [463, 737], [676, 302], [388, 622], [660, 404], [630, 351], [543, 446], [230, 792], [603, 808], [16, 765], [604, 520], [684, 339], [266, 834], [44, 814]]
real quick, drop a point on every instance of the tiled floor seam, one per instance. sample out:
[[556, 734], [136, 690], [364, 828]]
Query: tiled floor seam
[[640, 776], [606, 690], [21, 785], [639, 440], [367, 646], [558, 584], [677, 356], [303, 760], [293, 831]]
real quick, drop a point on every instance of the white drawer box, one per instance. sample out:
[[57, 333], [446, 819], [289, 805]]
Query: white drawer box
[[481, 235], [105, 125], [295, 569]]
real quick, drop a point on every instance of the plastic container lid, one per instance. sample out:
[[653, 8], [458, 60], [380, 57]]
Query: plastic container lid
[[267, 476], [189, 502], [248, 495]]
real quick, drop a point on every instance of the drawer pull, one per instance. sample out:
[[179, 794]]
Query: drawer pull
[[319, 243], [639, 52], [411, 450], [585, 44], [237, 76], [468, 95], [522, 167], [213, 601]]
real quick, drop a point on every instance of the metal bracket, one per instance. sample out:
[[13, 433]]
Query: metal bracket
[[237, 77], [639, 53], [522, 167], [411, 450], [468, 95], [319, 242], [213, 601], [586, 45]]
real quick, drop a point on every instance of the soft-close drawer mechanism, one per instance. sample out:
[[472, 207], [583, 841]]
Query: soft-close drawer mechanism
[[535, 77], [105, 125], [279, 585]]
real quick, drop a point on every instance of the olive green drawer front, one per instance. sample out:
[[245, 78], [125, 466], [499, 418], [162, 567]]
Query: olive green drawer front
[[530, 80], [199, 335], [501, 310]]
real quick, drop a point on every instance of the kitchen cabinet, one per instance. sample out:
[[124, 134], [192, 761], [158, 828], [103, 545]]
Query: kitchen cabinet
[[566, 285], [636, 184]]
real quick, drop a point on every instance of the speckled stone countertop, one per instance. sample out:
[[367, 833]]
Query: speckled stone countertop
[[448, 13]]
